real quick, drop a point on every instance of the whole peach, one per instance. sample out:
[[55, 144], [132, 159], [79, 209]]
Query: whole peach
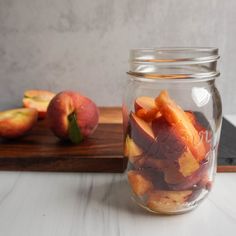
[[72, 116]]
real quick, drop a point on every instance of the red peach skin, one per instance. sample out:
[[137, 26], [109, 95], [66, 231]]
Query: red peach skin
[[142, 133], [168, 143], [66, 103]]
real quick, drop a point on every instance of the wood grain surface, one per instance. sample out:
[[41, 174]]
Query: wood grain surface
[[110, 115], [40, 150]]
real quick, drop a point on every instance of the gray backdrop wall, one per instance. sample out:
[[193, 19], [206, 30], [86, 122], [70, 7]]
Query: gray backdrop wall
[[84, 44]]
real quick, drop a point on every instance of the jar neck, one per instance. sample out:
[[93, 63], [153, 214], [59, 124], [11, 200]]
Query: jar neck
[[174, 63]]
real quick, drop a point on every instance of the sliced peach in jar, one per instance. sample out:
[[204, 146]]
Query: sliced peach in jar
[[192, 181], [170, 170], [165, 201], [144, 102], [145, 108], [176, 116], [139, 184], [175, 172], [168, 144], [141, 132], [148, 115], [157, 139], [131, 149], [175, 159], [191, 116], [194, 121], [187, 163]]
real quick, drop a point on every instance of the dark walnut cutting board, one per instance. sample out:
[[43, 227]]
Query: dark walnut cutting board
[[40, 150]]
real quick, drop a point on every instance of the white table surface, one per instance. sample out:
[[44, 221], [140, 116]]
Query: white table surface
[[69, 204]]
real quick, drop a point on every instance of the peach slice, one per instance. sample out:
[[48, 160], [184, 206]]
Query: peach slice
[[141, 132], [194, 121], [38, 99], [131, 149], [158, 139], [187, 164], [192, 180], [176, 116], [17, 122], [170, 169], [175, 172], [144, 102], [191, 117], [148, 115], [171, 172], [146, 109], [165, 201], [139, 184], [168, 144]]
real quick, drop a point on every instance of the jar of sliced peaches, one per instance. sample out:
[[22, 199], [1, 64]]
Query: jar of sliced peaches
[[172, 120]]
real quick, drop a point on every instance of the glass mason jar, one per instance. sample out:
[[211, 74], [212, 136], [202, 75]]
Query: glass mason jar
[[172, 120]]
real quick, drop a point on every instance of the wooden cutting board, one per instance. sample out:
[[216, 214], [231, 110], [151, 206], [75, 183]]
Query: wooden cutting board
[[40, 150]]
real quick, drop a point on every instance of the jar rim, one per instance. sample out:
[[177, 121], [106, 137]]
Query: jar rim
[[159, 54], [200, 77], [197, 63]]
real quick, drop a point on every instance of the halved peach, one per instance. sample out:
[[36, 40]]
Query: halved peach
[[131, 149], [165, 201], [145, 108], [176, 116], [139, 184], [38, 99], [16, 122]]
